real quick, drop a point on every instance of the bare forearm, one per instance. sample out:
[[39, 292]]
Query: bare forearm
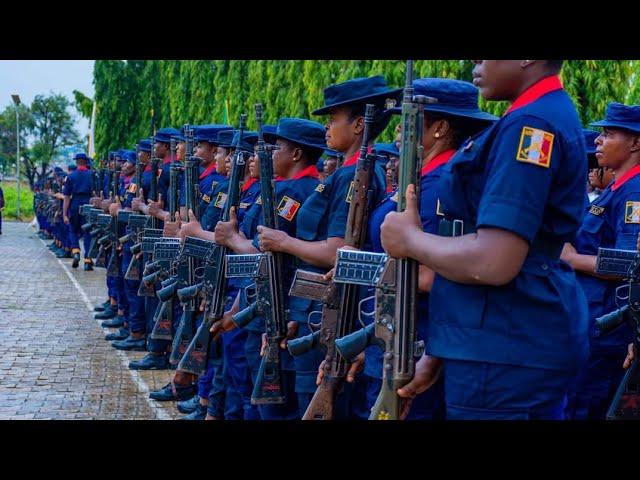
[[65, 205], [242, 245], [587, 264], [321, 253], [470, 259]]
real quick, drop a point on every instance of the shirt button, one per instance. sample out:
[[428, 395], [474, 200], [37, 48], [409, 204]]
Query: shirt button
[[545, 266]]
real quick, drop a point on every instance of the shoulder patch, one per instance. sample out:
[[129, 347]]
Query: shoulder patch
[[439, 208], [288, 208], [206, 198], [320, 188], [259, 200], [535, 147], [220, 200], [596, 210], [244, 205], [394, 197], [350, 192], [632, 212]]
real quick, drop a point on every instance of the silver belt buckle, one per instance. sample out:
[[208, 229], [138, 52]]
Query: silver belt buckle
[[458, 228]]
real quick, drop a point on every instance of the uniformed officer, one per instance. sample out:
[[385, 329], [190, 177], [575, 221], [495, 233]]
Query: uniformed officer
[[330, 163], [390, 152], [447, 123], [300, 143], [508, 319], [77, 192], [612, 220], [321, 221]]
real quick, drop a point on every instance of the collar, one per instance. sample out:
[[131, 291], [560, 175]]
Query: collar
[[437, 161], [626, 177], [247, 184], [310, 171], [535, 91], [353, 159], [207, 171], [147, 168], [82, 168]]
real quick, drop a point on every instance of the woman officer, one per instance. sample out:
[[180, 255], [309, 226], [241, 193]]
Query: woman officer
[[447, 123], [611, 221], [508, 320]]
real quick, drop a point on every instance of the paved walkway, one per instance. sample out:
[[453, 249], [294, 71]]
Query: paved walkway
[[54, 361]]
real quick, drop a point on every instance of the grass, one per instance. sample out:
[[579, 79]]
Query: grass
[[10, 201]]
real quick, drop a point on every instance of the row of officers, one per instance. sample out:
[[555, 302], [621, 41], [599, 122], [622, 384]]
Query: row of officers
[[506, 300]]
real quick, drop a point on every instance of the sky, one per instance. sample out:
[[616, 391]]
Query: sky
[[29, 78]]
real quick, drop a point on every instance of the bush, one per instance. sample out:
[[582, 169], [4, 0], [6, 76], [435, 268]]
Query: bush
[[10, 203]]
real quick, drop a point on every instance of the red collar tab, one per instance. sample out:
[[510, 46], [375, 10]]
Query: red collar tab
[[147, 168], [247, 184], [82, 168], [207, 171], [353, 159], [437, 161], [310, 171], [626, 177], [535, 91], [166, 160]]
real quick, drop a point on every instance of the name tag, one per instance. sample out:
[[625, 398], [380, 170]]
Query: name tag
[[596, 210]]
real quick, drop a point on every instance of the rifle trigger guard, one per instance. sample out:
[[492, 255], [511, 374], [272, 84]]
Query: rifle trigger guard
[[313, 326], [362, 313]]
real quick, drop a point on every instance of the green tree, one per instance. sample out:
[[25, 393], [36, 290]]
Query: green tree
[[51, 127], [8, 136]]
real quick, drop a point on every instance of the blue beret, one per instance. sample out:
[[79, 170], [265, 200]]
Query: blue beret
[[144, 145], [164, 134], [622, 116], [357, 90], [454, 97]]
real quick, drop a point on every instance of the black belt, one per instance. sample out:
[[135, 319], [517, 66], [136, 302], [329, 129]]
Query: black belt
[[549, 247]]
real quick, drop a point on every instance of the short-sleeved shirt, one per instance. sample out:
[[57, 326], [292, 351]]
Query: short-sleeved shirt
[[612, 220], [207, 181], [525, 174], [324, 214], [78, 186]]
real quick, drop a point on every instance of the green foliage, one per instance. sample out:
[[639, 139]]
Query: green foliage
[[8, 135], [195, 91], [11, 204], [83, 104]]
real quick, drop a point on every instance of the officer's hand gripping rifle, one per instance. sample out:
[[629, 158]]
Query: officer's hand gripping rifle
[[340, 300], [626, 263], [396, 280], [267, 271], [214, 281]]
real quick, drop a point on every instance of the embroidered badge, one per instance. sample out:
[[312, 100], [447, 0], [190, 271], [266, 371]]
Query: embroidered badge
[[394, 197], [632, 212], [288, 208], [596, 210], [535, 147], [206, 198], [220, 200], [244, 205], [350, 193], [320, 188], [439, 209], [259, 200]]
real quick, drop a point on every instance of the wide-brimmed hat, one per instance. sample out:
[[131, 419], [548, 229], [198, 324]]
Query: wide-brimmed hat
[[454, 97], [622, 116], [356, 90], [302, 131]]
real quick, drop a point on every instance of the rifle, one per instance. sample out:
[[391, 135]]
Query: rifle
[[396, 280], [214, 282], [113, 267], [626, 401], [162, 269], [268, 272], [150, 236], [135, 229], [340, 300], [103, 227]]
